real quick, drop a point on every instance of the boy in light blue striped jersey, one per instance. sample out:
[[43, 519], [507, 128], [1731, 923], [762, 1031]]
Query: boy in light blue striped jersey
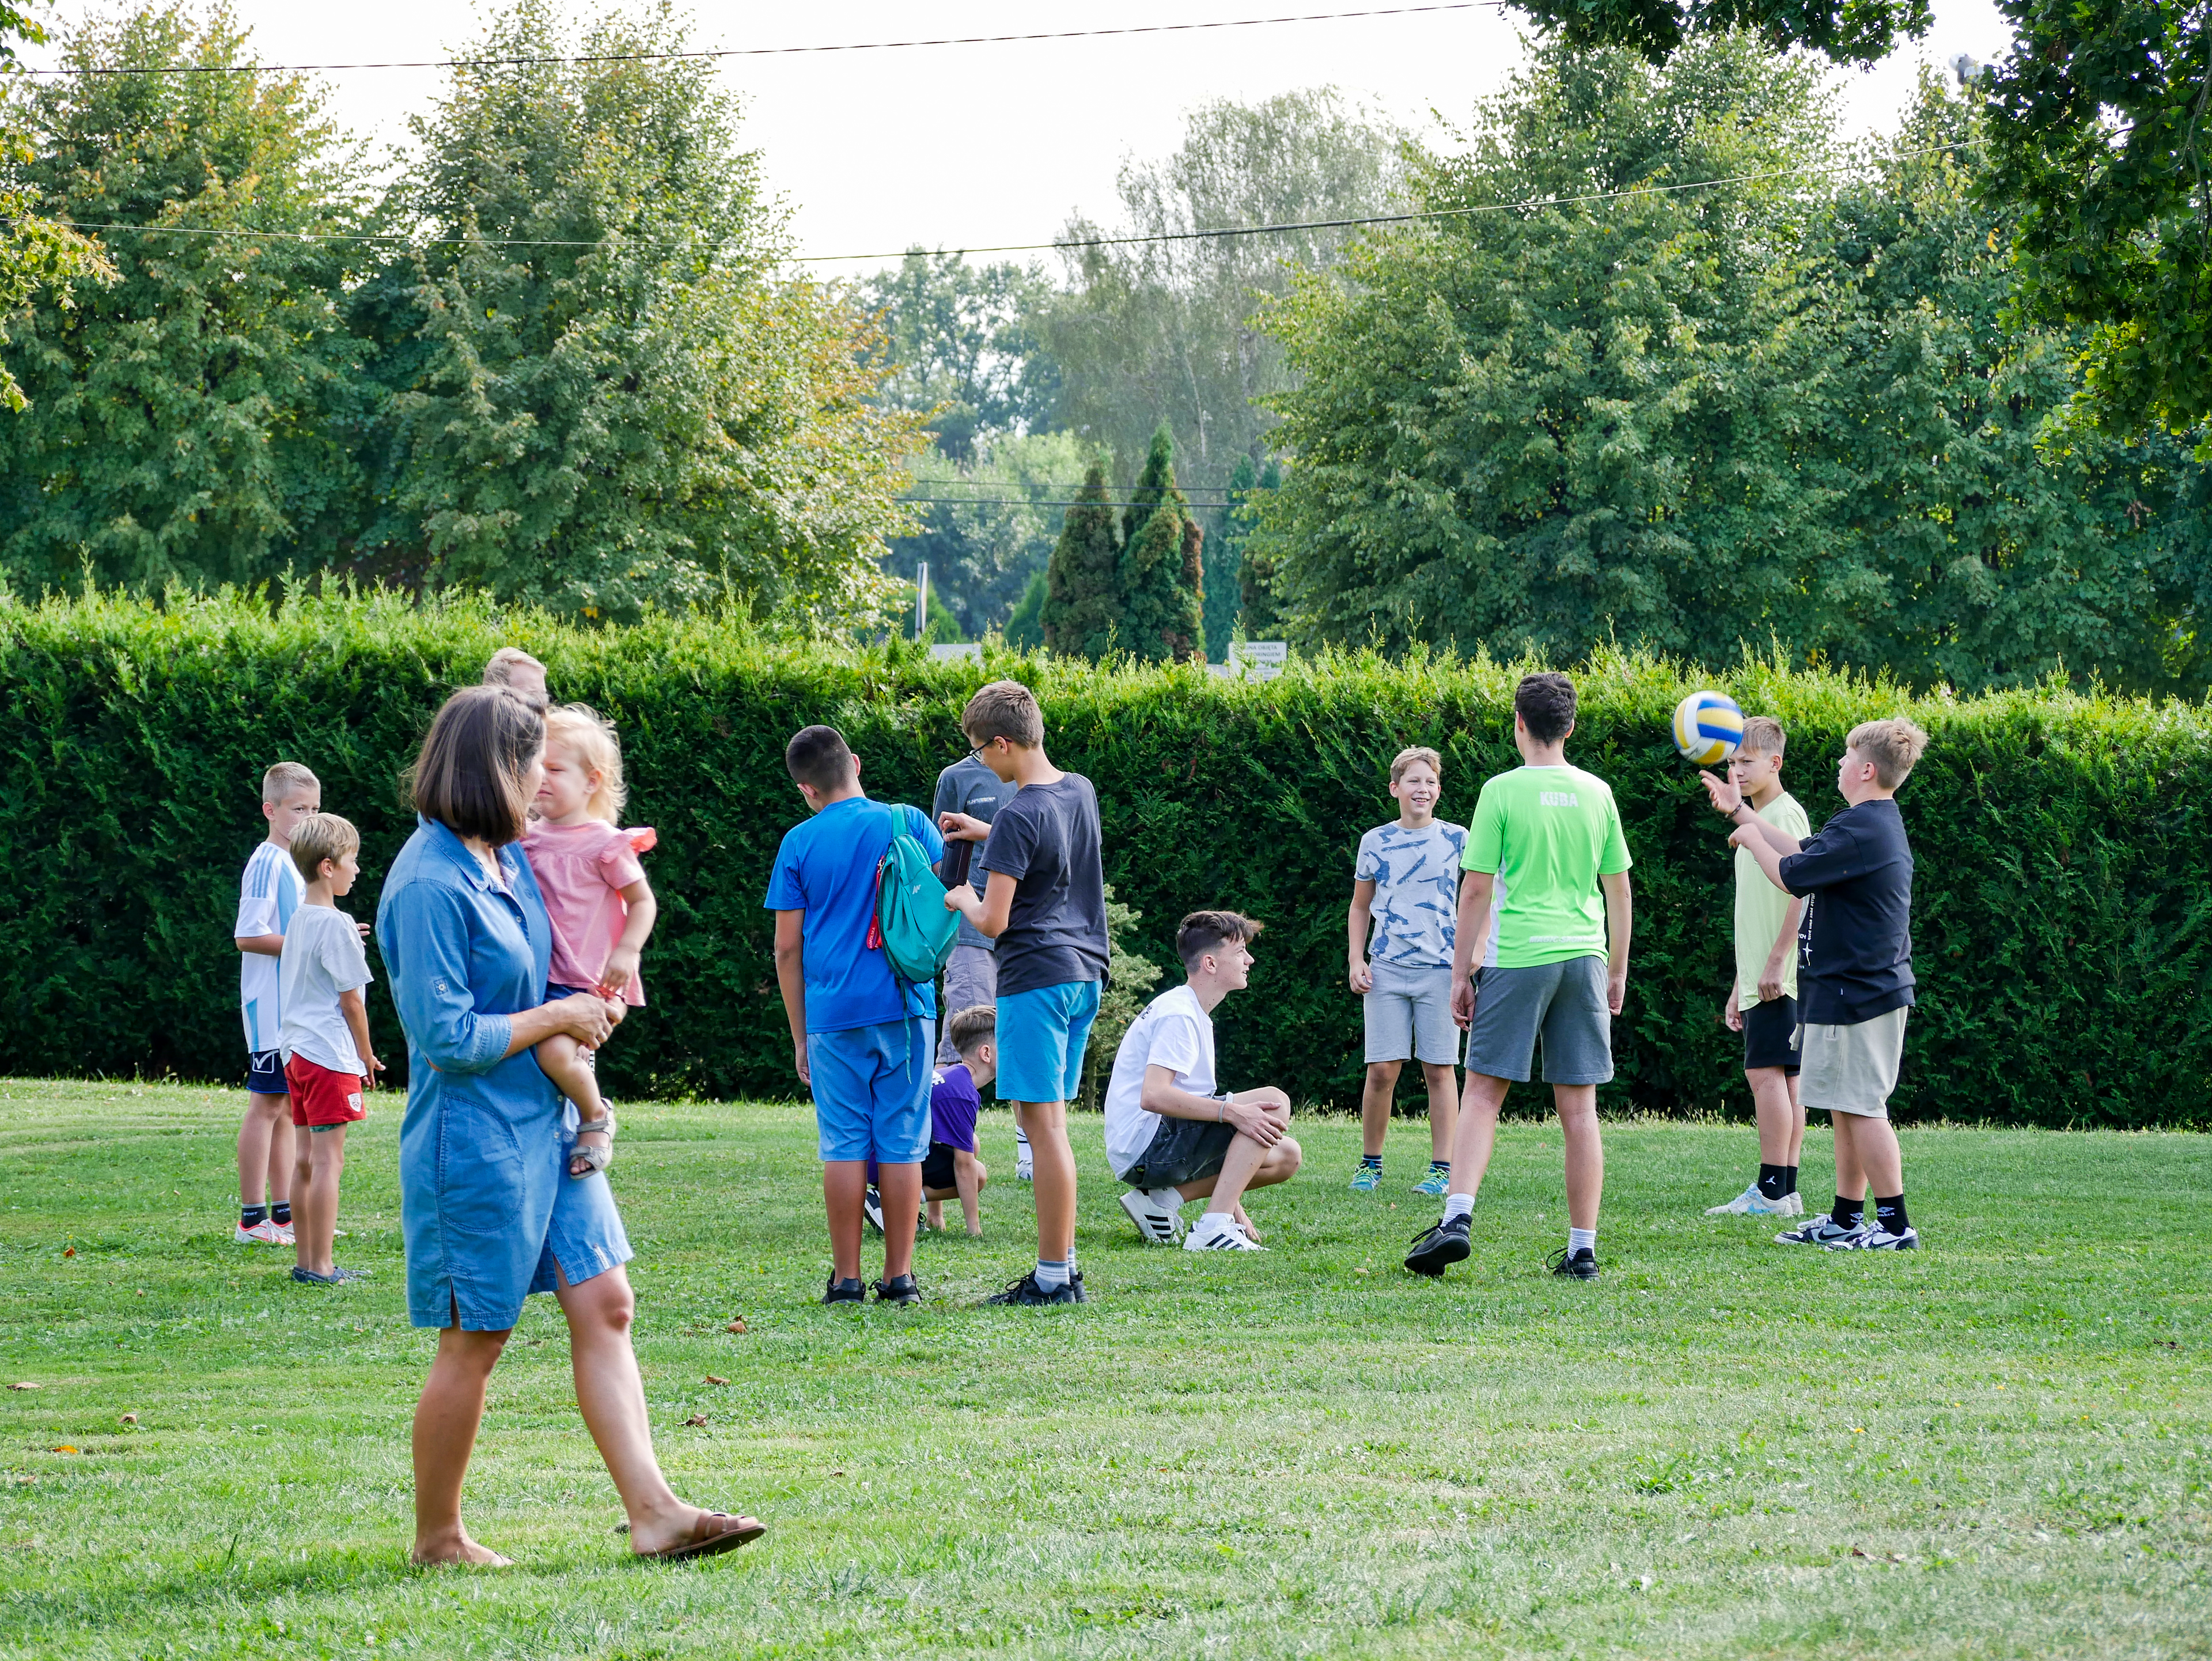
[[1401, 928]]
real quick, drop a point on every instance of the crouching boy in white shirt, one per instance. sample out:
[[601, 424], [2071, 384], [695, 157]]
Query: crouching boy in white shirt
[[1170, 1135]]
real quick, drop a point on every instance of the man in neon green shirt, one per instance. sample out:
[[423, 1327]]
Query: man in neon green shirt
[[1544, 907]]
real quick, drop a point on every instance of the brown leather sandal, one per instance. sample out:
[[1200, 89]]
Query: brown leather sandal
[[724, 1532]]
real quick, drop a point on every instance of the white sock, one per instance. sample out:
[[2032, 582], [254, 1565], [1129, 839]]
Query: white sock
[[1168, 1199], [1581, 1239], [1214, 1221], [1458, 1205], [1051, 1275]]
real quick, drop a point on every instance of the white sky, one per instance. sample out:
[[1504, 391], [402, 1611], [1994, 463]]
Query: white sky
[[971, 145]]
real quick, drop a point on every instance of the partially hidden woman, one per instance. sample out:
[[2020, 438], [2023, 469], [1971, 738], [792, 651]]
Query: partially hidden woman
[[488, 1210]]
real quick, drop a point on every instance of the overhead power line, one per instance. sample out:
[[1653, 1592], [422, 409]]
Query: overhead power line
[[765, 51], [1424, 216]]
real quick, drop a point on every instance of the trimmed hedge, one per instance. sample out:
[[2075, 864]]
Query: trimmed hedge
[[2060, 916]]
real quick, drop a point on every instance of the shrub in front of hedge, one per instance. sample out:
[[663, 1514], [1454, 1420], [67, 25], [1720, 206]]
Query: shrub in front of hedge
[[2060, 915]]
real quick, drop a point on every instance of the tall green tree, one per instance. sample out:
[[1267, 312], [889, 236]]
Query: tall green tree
[[2101, 142], [1239, 581], [607, 393], [985, 527], [191, 407], [1161, 601], [1163, 330], [37, 254], [960, 344], [1082, 612]]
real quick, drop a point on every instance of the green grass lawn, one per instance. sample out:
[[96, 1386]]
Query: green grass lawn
[[1999, 1446]]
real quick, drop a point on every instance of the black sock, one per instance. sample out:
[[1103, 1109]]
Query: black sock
[[281, 1213], [1374, 1159], [1847, 1211], [1789, 1179], [253, 1216], [1440, 1165], [1890, 1214], [1773, 1181]]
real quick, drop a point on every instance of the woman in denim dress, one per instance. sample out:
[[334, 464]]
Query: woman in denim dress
[[488, 1208]]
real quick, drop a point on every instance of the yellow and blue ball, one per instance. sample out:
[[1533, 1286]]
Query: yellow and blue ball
[[1708, 727]]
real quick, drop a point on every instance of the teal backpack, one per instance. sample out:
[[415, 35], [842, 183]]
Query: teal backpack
[[912, 928]]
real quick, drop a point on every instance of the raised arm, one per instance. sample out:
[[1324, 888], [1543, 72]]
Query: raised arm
[[989, 911], [1727, 801]]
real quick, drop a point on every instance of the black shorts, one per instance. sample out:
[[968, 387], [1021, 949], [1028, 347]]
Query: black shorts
[[1181, 1150], [937, 1165], [1769, 1034]]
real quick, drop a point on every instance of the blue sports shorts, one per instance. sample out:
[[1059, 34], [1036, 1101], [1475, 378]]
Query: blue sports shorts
[[1043, 1033], [265, 1072], [872, 1090]]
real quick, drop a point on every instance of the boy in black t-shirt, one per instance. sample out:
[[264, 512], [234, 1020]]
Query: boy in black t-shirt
[[1044, 903], [1854, 974]]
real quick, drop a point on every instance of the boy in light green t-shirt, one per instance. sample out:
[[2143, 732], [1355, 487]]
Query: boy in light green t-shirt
[[1762, 1000], [1546, 844]]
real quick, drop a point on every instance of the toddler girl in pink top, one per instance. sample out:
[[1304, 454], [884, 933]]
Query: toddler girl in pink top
[[597, 897]]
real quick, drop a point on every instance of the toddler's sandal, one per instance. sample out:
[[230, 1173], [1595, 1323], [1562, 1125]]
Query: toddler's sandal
[[596, 1158]]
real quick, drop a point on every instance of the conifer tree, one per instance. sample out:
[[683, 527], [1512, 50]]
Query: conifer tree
[[1082, 603], [1161, 614]]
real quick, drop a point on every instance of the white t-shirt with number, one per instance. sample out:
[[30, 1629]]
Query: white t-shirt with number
[[268, 894], [1174, 1031]]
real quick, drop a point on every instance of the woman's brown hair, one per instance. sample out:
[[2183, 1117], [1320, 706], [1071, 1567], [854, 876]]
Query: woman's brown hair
[[469, 774]]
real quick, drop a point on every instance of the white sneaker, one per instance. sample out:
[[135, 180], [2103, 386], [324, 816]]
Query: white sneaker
[[1878, 1239], [1157, 1224], [1220, 1238], [284, 1235], [262, 1233], [1751, 1203], [1823, 1232]]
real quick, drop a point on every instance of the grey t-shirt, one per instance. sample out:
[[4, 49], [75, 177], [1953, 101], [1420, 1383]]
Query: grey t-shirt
[[1047, 839], [968, 787]]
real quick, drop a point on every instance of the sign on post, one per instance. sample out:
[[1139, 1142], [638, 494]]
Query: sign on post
[[1258, 659], [964, 651]]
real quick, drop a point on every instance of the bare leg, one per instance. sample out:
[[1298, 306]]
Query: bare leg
[[445, 1420], [844, 1183], [1780, 1120], [1796, 1124], [1053, 1163], [936, 1208], [1577, 1106], [1877, 1164], [901, 1188], [322, 1159], [264, 1150], [1443, 1108], [1375, 1105], [1246, 1166], [1476, 1133], [568, 1064], [969, 1177]]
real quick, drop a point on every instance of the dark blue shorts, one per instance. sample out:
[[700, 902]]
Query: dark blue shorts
[[265, 1072]]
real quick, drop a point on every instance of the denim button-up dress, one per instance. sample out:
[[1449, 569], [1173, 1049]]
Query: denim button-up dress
[[486, 1203]]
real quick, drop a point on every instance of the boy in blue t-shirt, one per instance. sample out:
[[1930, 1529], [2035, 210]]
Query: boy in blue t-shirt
[[860, 1038]]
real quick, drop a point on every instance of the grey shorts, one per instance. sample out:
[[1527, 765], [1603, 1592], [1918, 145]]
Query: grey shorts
[[971, 976], [1564, 1003], [1409, 1014], [1181, 1151], [1851, 1070]]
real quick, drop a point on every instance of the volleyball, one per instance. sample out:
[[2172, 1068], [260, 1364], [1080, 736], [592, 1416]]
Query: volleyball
[[1708, 726]]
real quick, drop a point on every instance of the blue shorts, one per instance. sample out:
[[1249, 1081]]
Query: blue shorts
[[872, 1090], [265, 1072], [1043, 1033]]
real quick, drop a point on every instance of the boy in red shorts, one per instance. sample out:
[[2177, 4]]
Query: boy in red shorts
[[327, 1062]]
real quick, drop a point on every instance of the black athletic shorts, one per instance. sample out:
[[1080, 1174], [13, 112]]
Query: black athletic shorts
[[1181, 1150], [1769, 1034], [937, 1166]]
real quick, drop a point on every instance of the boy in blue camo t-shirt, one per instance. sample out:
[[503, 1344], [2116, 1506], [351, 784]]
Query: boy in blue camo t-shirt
[[1405, 895]]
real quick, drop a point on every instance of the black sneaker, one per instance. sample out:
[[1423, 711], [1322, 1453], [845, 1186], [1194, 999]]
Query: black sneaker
[[1027, 1293], [1575, 1265], [845, 1292], [1075, 1286], [871, 1208], [1437, 1249], [899, 1289]]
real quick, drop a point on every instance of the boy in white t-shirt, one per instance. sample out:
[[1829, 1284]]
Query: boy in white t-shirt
[[1170, 1134], [328, 1064], [268, 894]]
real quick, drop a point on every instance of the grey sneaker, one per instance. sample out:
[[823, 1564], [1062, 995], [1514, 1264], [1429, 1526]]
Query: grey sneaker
[[1821, 1231]]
